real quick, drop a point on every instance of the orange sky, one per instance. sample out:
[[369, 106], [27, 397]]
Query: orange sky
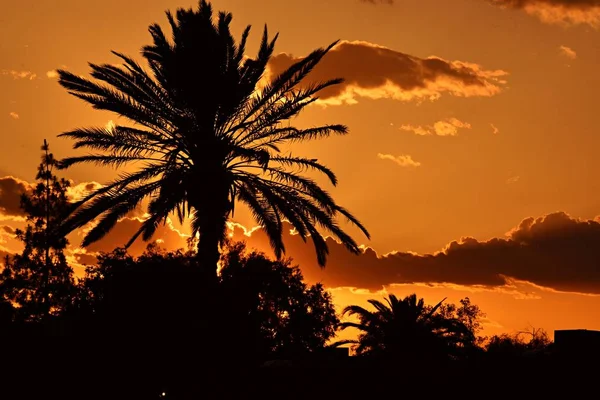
[[467, 117]]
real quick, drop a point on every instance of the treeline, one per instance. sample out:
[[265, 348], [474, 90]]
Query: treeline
[[141, 326]]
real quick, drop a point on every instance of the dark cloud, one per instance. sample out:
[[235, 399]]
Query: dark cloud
[[8, 229], [558, 11], [378, 1], [554, 251], [85, 258], [373, 71], [167, 236], [11, 189], [3, 254], [78, 190], [581, 4]]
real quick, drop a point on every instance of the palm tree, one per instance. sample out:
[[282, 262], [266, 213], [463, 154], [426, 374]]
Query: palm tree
[[406, 328], [205, 137]]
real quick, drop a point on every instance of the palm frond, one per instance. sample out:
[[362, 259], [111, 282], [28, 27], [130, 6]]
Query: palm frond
[[203, 137]]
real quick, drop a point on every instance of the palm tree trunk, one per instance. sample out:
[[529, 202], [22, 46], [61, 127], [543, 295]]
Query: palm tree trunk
[[211, 207], [208, 253], [212, 234]]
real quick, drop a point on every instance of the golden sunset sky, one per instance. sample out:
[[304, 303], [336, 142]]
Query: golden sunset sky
[[472, 154]]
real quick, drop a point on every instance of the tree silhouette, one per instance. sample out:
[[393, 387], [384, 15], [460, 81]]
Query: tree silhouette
[[405, 328], [208, 135], [155, 318], [269, 300], [260, 304], [39, 281], [6, 308], [531, 343], [468, 314]]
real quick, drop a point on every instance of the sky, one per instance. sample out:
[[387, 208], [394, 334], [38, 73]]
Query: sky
[[471, 158]]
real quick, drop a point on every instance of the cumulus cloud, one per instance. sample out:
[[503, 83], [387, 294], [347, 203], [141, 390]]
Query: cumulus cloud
[[513, 179], [27, 75], [555, 251], [495, 130], [52, 74], [9, 244], [447, 127], [3, 254], [77, 191], [566, 12], [402, 160], [6, 232], [168, 236], [14, 115], [11, 189], [567, 52], [376, 72]]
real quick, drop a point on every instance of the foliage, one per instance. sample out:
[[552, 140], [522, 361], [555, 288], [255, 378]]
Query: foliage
[[469, 314], [527, 343], [260, 309], [155, 293], [408, 328], [39, 282], [291, 317], [208, 135], [6, 308]]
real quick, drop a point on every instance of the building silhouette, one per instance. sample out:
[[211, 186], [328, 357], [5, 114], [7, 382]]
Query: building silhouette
[[577, 343]]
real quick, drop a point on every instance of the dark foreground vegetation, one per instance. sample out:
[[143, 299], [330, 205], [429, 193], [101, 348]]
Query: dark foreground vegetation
[[219, 320], [152, 327]]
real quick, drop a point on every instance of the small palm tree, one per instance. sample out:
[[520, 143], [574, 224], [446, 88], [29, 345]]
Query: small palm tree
[[205, 137], [406, 328]]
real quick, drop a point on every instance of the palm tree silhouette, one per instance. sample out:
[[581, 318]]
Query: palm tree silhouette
[[406, 328], [205, 137]]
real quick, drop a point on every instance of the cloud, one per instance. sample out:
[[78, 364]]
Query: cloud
[[5, 229], [110, 126], [11, 189], [167, 237], [565, 12], [77, 191], [447, 127], [495, 130], [3, 254], [554, 251], [14, 115], [9, 243], [402, 160], [513, 179], [6, 232], [567, 52], [52, 74], [27, 75], [520, 290], [170, 237], [376, 72]]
